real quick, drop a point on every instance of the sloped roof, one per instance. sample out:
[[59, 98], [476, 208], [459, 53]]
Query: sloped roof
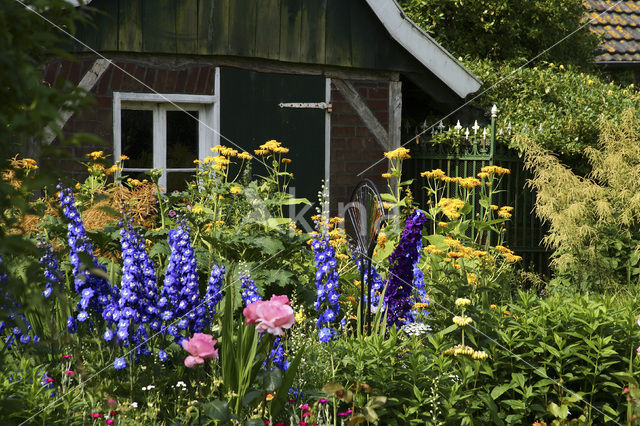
[[620, 25], [425, 49]]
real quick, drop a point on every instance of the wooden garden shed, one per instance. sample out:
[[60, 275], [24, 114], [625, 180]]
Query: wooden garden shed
[[325, 77]]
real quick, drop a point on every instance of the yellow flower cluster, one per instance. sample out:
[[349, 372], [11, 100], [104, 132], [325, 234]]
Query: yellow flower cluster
[[472, 278], [286, 160], [480, 355], [434, 174], [235, 190], [272, 146], [112, 169], [401, 153], [382, 239], [136, 182], [226, 151], [387, 175], [96, 155], [466, 350], [432, 249], [469, 182], [505, 212], [508, 254], [450, 207], [462, 321], [28, 163], [462, 301], [197, 209], [419, 305], [497, 170], [483, 175]]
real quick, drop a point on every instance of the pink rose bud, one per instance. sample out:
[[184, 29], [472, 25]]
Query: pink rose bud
[[201, 347], [110, 421]]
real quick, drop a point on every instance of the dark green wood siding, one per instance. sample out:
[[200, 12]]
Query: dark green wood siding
[[324, 32]]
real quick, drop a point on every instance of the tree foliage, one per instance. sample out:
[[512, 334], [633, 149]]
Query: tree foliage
[[28, 107], [505, 30]]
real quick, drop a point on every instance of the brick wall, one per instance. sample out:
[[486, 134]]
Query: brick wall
[[98, 120], [353, 147]]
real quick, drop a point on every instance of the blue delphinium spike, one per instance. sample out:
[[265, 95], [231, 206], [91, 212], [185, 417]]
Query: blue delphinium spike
[[79, 246], [327, 283], [399, 287]]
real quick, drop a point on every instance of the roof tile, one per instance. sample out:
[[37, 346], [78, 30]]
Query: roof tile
[[619, 23]]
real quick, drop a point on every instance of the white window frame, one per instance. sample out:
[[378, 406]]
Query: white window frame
[[208, 107]]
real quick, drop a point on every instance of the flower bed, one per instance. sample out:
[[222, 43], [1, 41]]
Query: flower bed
[[200, 307]]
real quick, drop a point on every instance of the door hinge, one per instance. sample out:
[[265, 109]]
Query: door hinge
[[314, 105]]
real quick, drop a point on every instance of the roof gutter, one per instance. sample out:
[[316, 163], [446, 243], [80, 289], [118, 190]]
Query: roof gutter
[[425, 49]]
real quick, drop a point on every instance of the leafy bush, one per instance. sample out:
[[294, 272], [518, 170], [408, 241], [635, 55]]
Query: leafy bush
[[593, 221]]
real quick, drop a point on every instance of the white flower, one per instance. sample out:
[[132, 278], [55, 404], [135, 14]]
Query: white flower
[[134, 404]]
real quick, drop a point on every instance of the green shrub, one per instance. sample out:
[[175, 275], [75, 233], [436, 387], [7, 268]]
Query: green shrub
[[594, 224]]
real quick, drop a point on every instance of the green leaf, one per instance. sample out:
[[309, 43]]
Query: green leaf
[[268, 244], [272, 379], [251, 396], [388, 197], [290, 201], [559, 412], [254, 422], [282, 394], [332, 387], [499, 390], [370, 414], [216, 410], [448, 330]]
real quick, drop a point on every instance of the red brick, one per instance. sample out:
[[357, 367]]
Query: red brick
[[202, 80], [346, 119], [192, 79], [378, 93], [170, 85], [139, 72], [378, 105], [363, 131], [74, 73], [150, 78], [181, 81], [161, 80], [104, 85], [210, 81], [104, 101], [116, 80], [342, 131]]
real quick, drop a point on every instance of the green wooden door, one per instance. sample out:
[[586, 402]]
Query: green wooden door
[[250, 115]]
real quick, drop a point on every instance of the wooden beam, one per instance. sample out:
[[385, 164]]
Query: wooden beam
[[360, 107], [88, 81], [252, 64], [395, 114]]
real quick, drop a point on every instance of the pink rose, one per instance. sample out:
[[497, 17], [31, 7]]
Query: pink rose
[[250, 313], [201, 347], [271, 315], [281, 299]]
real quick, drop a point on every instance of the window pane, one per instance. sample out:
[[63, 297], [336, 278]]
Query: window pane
[[137, 138], [182, 138], [177, 181]]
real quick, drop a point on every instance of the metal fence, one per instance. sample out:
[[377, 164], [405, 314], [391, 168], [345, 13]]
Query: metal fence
[[462, 152]]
